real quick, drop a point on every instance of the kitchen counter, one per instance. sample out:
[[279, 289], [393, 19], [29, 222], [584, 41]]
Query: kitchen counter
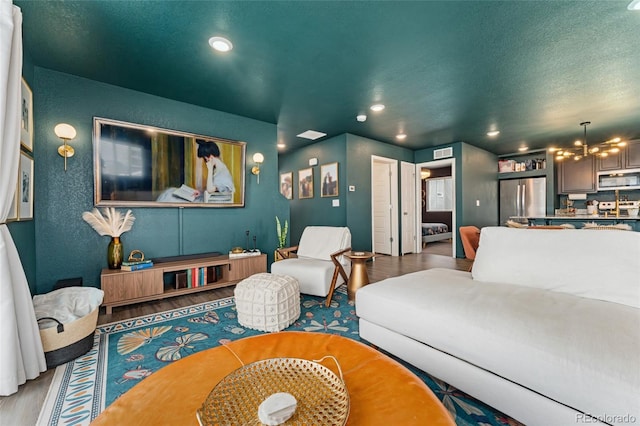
[[588, 217]]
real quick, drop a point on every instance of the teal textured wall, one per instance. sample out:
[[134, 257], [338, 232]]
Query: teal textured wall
[[359, 152], [478, 171], [317, 210], [66, 246]]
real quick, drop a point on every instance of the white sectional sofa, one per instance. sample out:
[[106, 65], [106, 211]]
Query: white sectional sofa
[[546, 327]]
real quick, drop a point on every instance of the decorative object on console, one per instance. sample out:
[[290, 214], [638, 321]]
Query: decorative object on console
[[582, 150], [136, 256], [114, 224], [66, 132]]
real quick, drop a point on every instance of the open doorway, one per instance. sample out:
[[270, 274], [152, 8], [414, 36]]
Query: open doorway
[[436, 209]]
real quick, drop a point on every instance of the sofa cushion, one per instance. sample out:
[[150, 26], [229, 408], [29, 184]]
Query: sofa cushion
[[319, 242], [598, 265], [578, 351]]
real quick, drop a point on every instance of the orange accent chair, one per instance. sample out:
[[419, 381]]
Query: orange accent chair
[[470, 236]]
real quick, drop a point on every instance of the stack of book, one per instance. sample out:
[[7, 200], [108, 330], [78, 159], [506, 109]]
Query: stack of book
[[136, 265], [197, 277]]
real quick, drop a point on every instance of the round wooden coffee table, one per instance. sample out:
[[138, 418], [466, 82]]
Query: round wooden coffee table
[[359, 277], [381, 391]]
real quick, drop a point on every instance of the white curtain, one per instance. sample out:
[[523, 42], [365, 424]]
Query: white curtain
[[21, 353]]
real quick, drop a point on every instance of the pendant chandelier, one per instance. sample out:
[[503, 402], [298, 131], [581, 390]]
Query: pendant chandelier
[[581, 149]]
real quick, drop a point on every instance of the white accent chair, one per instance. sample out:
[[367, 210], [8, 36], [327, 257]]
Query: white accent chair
[[317, 261]]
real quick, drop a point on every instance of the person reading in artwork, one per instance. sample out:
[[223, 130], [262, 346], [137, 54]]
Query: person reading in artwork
[[219, 178], [219, 185]]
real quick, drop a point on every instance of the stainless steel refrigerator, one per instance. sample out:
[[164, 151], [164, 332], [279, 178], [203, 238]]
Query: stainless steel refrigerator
[[522, 198]]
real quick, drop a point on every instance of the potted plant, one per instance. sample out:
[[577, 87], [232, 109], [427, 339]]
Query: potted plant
[[281, 231]]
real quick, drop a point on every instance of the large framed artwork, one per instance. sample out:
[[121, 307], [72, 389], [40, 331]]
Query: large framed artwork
[[26, 117], [25, 187], [286, 185], [146, 166], [305, 183], [329, 176]]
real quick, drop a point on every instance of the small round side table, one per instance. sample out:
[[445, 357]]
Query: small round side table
[[359, 277]]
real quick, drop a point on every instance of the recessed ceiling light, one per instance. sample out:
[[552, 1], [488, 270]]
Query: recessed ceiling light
[[493, 133], [634, 5], [377, 107], [523, 148], [401, 136], [311, 134], [361, 118], [220, 44]]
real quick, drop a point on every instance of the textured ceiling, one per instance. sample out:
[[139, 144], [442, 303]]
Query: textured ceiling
[[446, 71]]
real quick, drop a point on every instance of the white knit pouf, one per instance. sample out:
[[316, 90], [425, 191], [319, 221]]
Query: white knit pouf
[[267, 302]]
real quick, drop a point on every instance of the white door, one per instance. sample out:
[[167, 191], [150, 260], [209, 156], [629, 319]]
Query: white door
[[408, 195], [381, 193]]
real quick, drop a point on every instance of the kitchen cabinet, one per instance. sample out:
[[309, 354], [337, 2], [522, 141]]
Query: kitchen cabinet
[[627, 158], [632, 155], [577, 176]]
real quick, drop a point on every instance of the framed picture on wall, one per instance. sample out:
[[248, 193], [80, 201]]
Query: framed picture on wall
[[26, 117], [286, 185], [305, 183], [329, 176], [25, 187]]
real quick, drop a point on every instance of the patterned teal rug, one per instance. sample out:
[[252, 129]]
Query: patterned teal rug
[[126, 352]]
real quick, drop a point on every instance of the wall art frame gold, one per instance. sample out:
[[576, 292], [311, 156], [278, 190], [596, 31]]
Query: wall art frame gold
[[329, 180], [286, 185], [26, 117], [305, 183]]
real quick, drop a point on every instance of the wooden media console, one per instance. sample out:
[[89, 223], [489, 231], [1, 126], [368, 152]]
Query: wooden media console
[[126, 288]]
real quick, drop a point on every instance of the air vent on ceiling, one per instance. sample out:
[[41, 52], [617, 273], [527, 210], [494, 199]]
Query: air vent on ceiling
[[443, 153]]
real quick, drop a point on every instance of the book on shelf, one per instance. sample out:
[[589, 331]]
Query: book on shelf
[[181, 280], [138, 267]]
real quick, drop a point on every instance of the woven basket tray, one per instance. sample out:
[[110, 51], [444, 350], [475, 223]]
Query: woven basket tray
[[322, 396]]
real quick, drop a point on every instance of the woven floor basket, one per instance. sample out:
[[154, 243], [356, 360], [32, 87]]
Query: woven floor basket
[[321, 395], [63, 344]]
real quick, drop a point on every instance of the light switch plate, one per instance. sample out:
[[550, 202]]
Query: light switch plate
[[335, 203], [313, 161]]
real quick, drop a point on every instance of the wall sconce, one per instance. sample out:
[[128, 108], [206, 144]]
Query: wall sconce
[[258, 159], [66, 132]]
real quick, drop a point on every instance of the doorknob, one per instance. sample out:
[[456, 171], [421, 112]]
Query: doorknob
[[405, 213]]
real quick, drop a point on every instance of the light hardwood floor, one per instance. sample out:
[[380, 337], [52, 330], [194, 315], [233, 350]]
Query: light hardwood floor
[[23, 407]]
